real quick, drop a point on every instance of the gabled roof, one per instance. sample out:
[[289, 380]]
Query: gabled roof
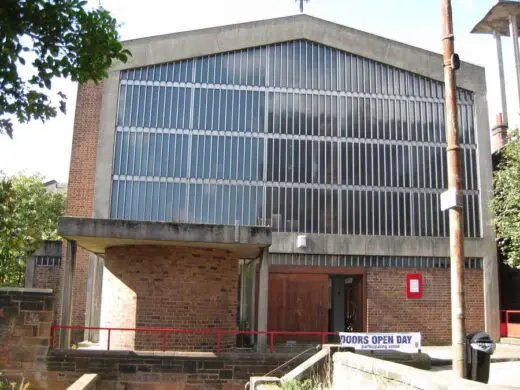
[[171, 47]]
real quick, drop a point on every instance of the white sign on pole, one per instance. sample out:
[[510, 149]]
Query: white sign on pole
[[402, 342], [450, 199]]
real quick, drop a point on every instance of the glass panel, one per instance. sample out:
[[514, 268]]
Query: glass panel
[[410, 114]]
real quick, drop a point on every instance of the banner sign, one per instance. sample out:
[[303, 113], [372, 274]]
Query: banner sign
[[402, 342]]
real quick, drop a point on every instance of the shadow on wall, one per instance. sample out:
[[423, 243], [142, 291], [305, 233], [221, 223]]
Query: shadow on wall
[[118, 310], [147, 286]]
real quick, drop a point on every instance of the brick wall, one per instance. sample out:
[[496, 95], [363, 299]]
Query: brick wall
[[25, 319], [45, 263], [81, 184], [175, 287], [390, 311], [46, 276]]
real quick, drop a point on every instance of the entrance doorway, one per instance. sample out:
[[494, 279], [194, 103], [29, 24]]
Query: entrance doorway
[[302, 299], [346, 303]]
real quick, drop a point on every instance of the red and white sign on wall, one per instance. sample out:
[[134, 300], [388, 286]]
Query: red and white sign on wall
[[414, 286]]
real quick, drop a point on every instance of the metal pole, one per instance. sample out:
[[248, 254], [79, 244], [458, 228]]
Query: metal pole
[[513, 30], [454, 184], [500, 59]]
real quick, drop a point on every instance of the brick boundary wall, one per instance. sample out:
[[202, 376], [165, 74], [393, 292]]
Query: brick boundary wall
[[25, 321], [80, 191], [171, 287], [390, 311], [171, 371]]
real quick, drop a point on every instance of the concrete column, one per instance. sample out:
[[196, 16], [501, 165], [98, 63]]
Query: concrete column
[[252, 309], [66, 303], [243, 290], [96, 310], [489, 248], [500, 60], [263, 296], [513, 28], [92, 297], [29, 271]]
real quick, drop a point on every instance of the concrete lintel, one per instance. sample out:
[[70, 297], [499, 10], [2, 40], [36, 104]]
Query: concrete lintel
[[96, 235], [49, 248], [26, 290], [374, 245]]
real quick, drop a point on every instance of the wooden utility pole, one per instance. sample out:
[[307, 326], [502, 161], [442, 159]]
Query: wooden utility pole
[[451, 63]]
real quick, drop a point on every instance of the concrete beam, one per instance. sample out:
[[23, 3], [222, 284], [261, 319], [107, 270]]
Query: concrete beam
[[96, 235]]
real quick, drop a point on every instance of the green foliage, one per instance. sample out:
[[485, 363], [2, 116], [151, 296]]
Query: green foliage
[[44, 39], [28, 215], [307, 384], [5, 384], [506, 201]]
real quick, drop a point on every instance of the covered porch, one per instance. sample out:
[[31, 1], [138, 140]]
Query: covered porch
[[162, 275]]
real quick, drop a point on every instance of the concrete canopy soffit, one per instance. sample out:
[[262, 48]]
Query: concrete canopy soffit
[[96, 235], [173, 47], [497, 19]]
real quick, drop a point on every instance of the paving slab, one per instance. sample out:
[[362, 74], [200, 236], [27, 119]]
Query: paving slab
[[502, 375], [441, 355]]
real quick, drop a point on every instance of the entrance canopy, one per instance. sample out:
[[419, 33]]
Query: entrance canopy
[[497, 19], [96, 235]]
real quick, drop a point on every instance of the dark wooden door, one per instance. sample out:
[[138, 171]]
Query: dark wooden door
[[277, 301], [298, 302], [357, 300]]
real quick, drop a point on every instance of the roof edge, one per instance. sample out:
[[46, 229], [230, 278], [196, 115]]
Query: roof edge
[[291, 18]]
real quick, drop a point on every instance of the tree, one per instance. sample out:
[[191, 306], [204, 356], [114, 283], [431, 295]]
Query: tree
[[506, 201], [44, 39], [28, 216]]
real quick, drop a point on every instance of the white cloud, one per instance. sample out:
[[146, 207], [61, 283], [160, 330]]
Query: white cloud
[[467, 5]]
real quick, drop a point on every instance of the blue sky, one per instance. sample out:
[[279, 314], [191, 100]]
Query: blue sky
[[45, 148]]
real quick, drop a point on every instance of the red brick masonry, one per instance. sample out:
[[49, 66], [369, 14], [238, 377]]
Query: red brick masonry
[[81, 185], [173, 287], [390, 311]]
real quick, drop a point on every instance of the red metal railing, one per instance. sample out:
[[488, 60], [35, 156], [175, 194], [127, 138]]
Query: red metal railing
[[508, 328], [217, 332]]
